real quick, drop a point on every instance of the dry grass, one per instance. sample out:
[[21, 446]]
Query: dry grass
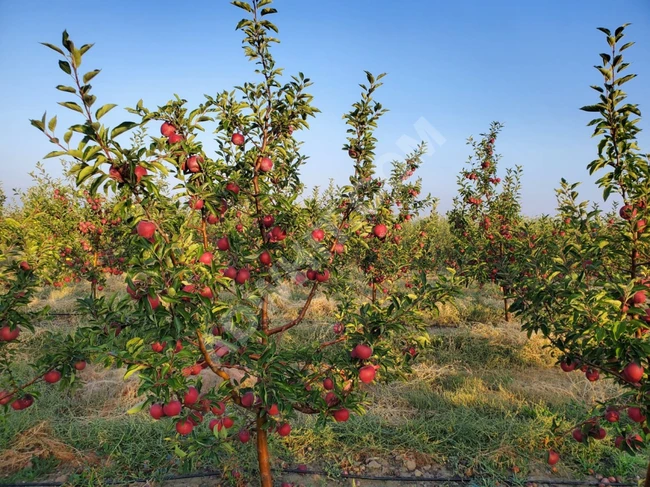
[[38, 441]]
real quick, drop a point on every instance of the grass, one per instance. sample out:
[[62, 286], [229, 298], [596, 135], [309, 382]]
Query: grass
[[481, 402]]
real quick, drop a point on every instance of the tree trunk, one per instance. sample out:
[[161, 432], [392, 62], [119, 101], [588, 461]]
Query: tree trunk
[[266, 480], [647, 477], [505, 309]]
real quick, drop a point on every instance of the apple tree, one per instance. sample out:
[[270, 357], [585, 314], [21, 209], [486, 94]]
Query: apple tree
[[208, 256], [592, 302], [486, 217]]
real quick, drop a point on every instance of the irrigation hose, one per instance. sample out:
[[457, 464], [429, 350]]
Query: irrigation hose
[[455, 480]]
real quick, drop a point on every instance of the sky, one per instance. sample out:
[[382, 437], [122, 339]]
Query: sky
[[453, 67]]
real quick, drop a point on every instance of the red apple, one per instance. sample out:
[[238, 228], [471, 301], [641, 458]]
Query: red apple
[[380, 230], [24, 266], [80, 365], [52, 377], [244, 436], [232, 187], [268, 221], [338, 248], [578, 435], [172, 408], [237, 139], [158, 347], [139, 172], [341, 415], [362, 352], [265, 164], [215, 422], [367, 374], [7, 334], [174, 138], [154, 302], [323, 276], [212, 219], [178, 347], [206, 292], [223, 244], [192, 164], [592, 375], [633, 372], [568, 365], [553, 457], [639, 297], [627, 212], [635, 415], [219, 409], [243, 275], [599, 434], [230, 272], [228, 422], [277, 234], [248, 399], [114, 173], [156, 411], [284, 429], [22, 402], [146, 229], [612, 415], [167, 129], [184, 427], [328, 384], [196, 203], [273, 410], [191, 396], [318, 235], [331, 399], [265, 258]]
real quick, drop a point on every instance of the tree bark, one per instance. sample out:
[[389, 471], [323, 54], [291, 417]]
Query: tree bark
[[505, 309], [266, 480], [647, 476]]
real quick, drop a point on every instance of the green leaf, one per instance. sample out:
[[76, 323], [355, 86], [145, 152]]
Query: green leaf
[[591, 108], [104, 110], [243, 5], [84, 174], [137, 408], [179, 453], [38, 124], [52, 124], [56, 153], [67, 136], [53, 47], [65, 67], [65, 40], [133, 368], [83, 49], [76, 57], [121, 128], [71, 105], [90, 75], [67, 89]]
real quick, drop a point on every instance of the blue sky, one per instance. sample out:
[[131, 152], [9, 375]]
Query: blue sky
[[455, 66]]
